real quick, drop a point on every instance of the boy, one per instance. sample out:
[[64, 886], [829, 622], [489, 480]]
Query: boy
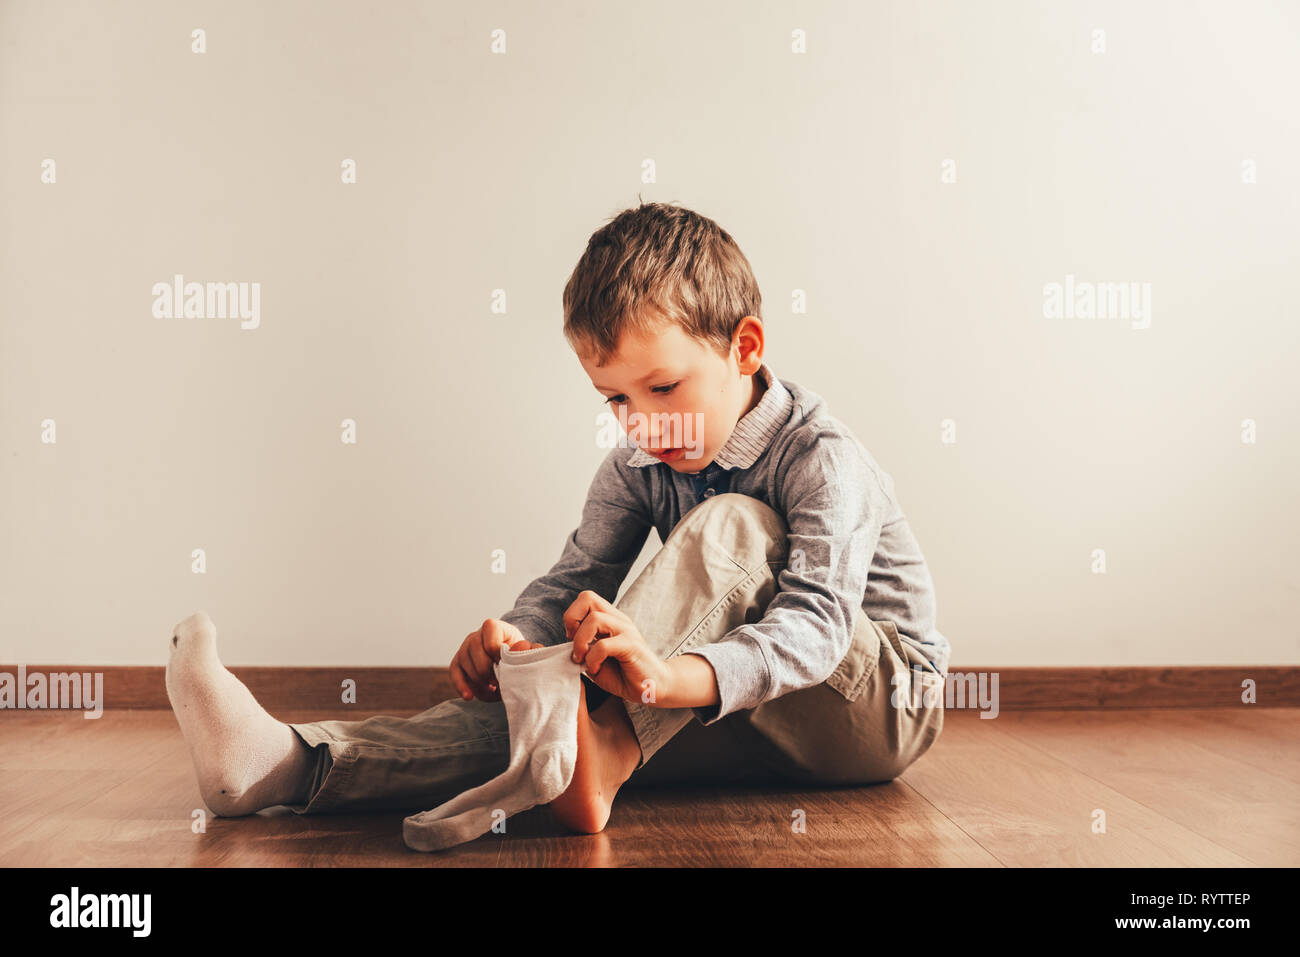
[[790, 609]]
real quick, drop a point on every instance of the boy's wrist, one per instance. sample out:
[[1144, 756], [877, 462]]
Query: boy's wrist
[[691, 683]]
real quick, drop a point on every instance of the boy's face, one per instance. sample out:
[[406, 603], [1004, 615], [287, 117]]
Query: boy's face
[[673, 392]]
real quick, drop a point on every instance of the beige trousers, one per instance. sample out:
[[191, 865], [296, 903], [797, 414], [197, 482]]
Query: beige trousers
[[863, 725]]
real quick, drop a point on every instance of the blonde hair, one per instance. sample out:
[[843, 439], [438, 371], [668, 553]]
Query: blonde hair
[[654, 264]]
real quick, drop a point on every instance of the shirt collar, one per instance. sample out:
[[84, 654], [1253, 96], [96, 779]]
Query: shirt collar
[[753, 433]]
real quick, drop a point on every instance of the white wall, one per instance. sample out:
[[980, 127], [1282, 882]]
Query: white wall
[[479, 171]]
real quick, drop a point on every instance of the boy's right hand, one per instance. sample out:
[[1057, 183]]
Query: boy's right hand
[[471, 668]]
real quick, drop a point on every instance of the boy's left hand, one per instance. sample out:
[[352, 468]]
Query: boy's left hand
[[616, 656]]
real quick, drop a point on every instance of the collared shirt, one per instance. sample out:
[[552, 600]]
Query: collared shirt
[[839, 508]]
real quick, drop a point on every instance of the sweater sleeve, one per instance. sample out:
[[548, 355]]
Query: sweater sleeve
[[834, 505], [597, 555]]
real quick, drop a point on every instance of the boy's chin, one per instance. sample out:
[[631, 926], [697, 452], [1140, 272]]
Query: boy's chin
[[691, 465]]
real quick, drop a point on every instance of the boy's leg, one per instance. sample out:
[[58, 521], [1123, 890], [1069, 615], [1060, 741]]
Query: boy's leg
[[716, 571], [392, 763], [878, 712], [725, 753]]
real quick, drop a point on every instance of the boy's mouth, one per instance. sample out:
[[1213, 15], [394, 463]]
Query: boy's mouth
[[666, 455]]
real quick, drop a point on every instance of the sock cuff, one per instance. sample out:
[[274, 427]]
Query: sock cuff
[[533, 654]]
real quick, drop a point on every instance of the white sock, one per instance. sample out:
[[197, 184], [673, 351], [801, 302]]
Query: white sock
[[245, 759], [540, 688]]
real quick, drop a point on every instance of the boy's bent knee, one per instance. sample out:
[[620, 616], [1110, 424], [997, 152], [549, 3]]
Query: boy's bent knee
[[741, 525]]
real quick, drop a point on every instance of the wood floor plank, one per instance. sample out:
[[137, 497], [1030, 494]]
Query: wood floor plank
[[26, 738], [119, 740], [1163, 760], [1030, 809], [35, 804], [1268, 739]]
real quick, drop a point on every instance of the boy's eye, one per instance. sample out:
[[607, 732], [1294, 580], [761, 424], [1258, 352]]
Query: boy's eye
[[660, 389]]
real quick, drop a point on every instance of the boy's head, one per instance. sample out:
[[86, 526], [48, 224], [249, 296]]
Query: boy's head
[[665, 316]]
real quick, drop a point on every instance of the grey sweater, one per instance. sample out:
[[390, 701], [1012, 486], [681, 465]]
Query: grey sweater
[[839, 508]]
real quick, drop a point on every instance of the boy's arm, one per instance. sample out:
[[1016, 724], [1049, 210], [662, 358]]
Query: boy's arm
[[597, 554], [834, 510]]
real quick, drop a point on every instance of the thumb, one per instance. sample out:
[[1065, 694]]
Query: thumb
[[497, 635]]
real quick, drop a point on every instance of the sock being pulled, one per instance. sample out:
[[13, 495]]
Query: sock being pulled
[[540, 688]]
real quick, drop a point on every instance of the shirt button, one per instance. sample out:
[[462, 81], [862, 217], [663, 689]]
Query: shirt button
[[708, 492]]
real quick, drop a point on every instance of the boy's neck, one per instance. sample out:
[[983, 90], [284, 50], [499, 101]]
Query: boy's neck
[[757, 387]]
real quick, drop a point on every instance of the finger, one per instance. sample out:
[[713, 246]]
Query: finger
[[498, 635], [583, 634], [477, 671], [481, 651], [596, 623], [616, 647], [473, 681], [478, 677], [586, 602], [458, 679], [479, 685]]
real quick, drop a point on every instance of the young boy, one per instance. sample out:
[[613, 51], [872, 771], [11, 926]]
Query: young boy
[[790, 610]]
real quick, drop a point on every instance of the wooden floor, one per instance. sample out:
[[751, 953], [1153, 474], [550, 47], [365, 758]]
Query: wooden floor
[[1178, 788]]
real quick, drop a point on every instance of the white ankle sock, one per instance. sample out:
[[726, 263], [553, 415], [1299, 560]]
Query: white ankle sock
[[540, 688], [244, 759]]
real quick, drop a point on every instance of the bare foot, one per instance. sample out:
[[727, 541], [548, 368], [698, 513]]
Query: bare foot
[[608, 753]]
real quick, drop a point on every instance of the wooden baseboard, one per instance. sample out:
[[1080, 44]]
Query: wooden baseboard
[[1017, 689]]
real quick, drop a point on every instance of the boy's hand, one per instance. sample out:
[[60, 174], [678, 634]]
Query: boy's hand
[[617, 657], [471, 668]]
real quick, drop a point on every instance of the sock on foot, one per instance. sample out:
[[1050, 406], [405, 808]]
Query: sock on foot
[[540, 688], [245, 759]]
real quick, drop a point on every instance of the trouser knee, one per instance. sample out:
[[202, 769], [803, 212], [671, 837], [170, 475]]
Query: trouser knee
[[717, 569], [746, 528]]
